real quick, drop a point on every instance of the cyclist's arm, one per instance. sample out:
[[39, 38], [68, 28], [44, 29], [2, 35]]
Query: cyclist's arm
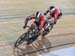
[[28, 18], [46, 12], [26, 21], [32, 17]]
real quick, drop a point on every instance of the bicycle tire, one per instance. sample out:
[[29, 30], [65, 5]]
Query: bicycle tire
[[20, 40]]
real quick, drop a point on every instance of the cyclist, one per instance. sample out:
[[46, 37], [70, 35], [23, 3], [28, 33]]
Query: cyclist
[[53, 13], [39, 20]]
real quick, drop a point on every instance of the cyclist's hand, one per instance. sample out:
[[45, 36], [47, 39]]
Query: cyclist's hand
[[44, 13]]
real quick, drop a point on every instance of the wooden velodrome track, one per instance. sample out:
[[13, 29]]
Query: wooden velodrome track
[[62, 36]]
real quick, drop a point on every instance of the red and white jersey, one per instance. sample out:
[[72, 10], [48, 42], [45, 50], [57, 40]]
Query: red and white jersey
[[54, 11], [41, 21]]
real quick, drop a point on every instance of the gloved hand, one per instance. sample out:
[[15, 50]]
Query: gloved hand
[[44, 13]]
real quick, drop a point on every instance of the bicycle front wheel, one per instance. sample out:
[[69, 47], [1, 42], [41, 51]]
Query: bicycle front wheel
[[20, 40]]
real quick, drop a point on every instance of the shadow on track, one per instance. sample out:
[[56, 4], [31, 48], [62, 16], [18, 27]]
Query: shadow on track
[[30, 49], [39, 47]]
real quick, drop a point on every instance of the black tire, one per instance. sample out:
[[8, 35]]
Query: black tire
[[20, 40]]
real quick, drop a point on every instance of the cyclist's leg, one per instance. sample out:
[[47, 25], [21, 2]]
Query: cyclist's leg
[[46, 25], [30, 40], [46, 31], [37, 26]]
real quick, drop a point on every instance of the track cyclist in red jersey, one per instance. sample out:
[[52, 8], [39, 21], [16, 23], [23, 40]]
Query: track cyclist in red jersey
[[53, 13], [40, 21]]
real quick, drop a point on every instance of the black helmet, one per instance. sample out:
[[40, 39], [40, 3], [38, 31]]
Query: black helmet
[[51, 7], [38, 16]]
